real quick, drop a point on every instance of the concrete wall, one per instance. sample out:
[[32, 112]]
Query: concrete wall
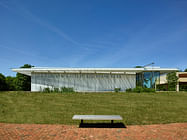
[[83, 82]]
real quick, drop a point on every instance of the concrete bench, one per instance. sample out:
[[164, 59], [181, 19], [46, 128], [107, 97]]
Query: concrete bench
[[97, 117]]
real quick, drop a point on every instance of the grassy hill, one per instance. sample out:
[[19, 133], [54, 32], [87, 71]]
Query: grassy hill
[[58, 108]]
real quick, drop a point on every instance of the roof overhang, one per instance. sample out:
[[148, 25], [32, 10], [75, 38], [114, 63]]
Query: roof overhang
[[28, 71]]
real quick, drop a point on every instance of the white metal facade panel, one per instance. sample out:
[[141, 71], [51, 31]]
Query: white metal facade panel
[[83, 82]]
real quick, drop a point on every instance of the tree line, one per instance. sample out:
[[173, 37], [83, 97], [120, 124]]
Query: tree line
[[20, 82]]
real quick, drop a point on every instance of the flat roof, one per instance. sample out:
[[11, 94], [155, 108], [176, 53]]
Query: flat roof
[[28, 71]]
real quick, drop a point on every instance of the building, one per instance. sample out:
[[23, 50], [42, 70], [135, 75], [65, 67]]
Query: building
[[93, 79], [181, 82]]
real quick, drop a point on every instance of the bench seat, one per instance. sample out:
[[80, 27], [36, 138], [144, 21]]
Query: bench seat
[[97, 117]]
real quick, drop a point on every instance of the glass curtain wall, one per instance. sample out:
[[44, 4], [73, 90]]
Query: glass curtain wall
[[147, 79]]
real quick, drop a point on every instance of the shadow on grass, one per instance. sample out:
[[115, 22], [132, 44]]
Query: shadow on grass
[[102, 125]]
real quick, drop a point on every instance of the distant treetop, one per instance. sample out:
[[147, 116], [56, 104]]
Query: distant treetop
[[26, 66], [138, 66]]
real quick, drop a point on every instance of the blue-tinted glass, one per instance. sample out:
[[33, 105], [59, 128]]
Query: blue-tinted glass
[[147, 79]]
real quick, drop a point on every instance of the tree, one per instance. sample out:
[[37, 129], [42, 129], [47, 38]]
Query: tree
[[172, 81], [23, 82], [185, 70], [138, 66], [10, 81], [3, 85]]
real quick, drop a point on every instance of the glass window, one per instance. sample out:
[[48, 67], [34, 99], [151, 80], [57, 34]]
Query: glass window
[[147, 79]]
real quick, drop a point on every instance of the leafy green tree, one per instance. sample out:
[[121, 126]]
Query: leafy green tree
[[138, 66], [172, 81], [10, 81], [185, 70], [3, 85], [23, 82]]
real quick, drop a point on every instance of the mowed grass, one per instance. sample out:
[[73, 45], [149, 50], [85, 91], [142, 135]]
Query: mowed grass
[[58, 108]]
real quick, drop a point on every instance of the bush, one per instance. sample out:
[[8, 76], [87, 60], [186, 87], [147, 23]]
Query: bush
[[148, 90], [56, 90], [46, 90], [117, 89], [161, 87], [140, 89], [129, 90], [65, 89], [182, 87]]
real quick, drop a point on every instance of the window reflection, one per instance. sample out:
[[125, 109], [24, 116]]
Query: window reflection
[[147, 79]]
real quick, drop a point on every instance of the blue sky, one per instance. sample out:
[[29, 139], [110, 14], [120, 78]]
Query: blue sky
[[92, 33]]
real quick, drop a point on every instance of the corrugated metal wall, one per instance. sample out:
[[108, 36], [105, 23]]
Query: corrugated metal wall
[[83, 82]]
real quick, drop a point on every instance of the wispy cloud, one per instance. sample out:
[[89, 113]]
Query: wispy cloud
[[30, 16], [21, 10]]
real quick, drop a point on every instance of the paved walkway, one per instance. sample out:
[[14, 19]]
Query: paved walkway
[[67, 132]]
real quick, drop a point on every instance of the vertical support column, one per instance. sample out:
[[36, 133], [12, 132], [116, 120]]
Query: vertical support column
[[177, 86]]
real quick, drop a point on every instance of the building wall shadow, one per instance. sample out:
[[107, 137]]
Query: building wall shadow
[[102, 125]]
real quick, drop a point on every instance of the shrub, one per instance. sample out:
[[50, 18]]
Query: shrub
[[140, 89], [56, 90], [117, 89], [161, 87], [65, 89], [148, 90], [46, 90], [129, 90], [183, 88]]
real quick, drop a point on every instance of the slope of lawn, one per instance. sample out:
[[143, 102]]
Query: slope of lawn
[[58, 108]]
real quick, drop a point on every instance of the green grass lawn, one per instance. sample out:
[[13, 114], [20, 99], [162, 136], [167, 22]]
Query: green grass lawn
[[58, 108]]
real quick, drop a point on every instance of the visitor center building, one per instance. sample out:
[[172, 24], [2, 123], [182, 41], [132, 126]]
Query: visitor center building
[[93, 79]]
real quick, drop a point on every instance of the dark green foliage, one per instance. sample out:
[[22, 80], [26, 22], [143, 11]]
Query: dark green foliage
[[162, 87], [10, 81], [138, 66], [56, 90], [20, 82], [65, 89], [23, 82], [3, 84], [140, 89], [185, 70], [183, 88], [148, 90], [172, 81], [117, 89], [129, 90], [46, 90]]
